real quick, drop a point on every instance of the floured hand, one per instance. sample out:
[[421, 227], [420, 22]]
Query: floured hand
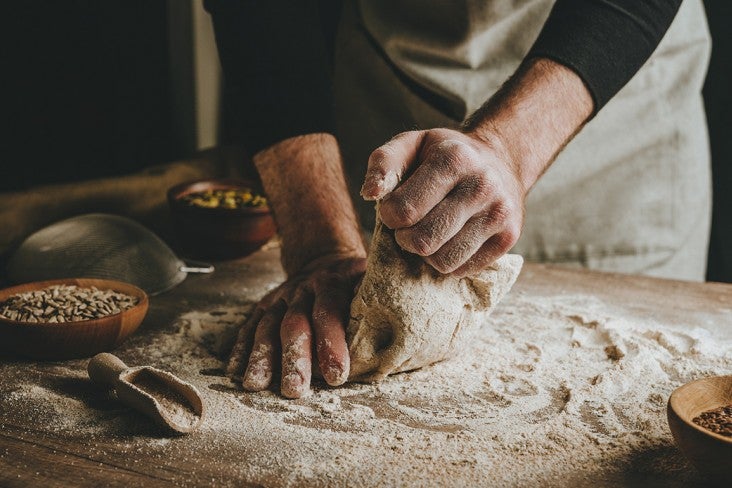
[[460, 204], [311, 307]]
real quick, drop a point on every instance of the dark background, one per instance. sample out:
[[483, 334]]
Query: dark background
[[86, 90], [86, 94], [718, 101]]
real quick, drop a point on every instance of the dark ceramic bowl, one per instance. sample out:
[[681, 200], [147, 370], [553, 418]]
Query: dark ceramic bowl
[[219, 233]]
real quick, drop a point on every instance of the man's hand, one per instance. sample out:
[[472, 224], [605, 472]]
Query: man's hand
[[460, 203], [311, 308], [324, 257]]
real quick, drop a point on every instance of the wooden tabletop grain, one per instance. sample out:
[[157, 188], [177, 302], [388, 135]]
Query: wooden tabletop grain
[[33, 453]]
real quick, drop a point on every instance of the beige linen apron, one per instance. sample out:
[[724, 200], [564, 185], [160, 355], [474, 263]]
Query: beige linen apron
[[631, 193]]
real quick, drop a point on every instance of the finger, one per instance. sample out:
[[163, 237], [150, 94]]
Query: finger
[[296, 339], [445, 164], [260, 369], [388, 163], [330, 312], [489, 252], [244, 341], [444, 221], [465, 244]]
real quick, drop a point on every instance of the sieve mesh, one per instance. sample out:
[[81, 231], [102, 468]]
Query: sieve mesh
[[97, 246]]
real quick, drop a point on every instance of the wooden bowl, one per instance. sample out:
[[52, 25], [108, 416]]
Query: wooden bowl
[[219, 233], [68, 340], [711, 453]]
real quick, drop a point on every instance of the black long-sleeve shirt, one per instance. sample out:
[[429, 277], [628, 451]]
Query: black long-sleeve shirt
[[277, 55], [604, 41]]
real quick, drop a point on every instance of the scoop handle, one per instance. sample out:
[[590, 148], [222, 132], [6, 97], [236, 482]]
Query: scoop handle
[[105, 368]]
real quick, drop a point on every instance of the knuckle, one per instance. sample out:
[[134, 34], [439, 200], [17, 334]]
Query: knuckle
[[270, 312], [414, 240], [439, 227], [480, 188], [270, 298], [486, 186], [455, 147], [506, 239], [475, 264], [379, 156], [320, 278], [325, 284], [399, 212], [500, 212], [439, 263], [447, 260], [297, 298], [505, 212], [287, 323], [455, 156], [294, 319]]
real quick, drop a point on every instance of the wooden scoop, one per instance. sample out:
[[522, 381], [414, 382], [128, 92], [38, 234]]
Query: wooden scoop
[[158, 394]]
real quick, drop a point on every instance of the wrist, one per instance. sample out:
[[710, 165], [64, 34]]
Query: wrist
[[533, 116], [303, 179]]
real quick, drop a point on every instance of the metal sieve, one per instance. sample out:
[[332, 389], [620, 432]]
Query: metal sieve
[[100, 246]]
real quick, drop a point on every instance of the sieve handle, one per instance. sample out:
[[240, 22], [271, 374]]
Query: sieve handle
[[105, 368], [191, 266]]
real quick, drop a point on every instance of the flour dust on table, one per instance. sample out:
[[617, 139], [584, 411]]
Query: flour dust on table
[[554, 390]]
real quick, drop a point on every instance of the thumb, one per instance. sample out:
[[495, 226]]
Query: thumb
[[388, 163]]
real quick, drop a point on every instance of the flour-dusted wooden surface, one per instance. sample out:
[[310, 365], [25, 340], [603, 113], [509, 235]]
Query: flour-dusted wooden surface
[[477, 420]]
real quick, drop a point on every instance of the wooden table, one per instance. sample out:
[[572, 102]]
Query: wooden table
[[40, 446]]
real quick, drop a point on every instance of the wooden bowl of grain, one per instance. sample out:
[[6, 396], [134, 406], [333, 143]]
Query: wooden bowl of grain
[[702, 427], [68, 318], [220, 218]]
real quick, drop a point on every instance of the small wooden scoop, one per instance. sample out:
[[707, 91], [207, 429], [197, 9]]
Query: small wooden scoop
[[158, 394]]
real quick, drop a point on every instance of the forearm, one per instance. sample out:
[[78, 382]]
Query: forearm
[[604, 41], [533, 116], [304, 181]]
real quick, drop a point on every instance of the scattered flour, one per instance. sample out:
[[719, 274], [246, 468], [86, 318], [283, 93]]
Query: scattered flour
[[554, 390]]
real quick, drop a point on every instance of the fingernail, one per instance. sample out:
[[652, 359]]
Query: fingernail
[[293, 385], [236, 365], [258, 375], [370, 189], [234, 369], [377, 185], [296, 367], [390, 181], [256, 381], [335, 375]]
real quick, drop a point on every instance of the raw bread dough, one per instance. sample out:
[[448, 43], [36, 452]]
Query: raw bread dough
[[406, 315]]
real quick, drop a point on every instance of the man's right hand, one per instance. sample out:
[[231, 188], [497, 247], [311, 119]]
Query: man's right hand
[[461, 205], [456, 198]]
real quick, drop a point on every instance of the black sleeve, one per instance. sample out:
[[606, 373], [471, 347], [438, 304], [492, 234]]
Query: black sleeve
[[604, 41], [276, 61]]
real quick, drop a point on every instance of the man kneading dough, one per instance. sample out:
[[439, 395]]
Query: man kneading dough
[[492, 91]]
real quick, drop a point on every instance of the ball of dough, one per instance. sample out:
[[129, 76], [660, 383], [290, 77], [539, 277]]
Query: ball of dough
[[406, 315]]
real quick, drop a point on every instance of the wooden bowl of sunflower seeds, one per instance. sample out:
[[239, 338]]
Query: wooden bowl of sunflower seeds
[[700, 418], [69, 318]]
